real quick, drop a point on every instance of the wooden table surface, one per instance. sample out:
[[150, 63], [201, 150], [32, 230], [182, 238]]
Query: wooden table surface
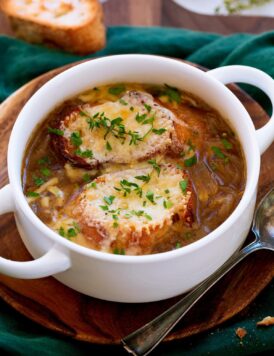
[[168, 13]]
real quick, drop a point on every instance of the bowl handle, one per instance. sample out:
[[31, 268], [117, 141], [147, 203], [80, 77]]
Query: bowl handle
[[54, 261], [253, 76]]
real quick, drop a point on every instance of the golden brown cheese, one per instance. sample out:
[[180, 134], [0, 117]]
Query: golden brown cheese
[[132, 207], [132, 128]]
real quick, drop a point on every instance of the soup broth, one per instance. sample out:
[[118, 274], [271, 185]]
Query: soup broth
[[177, 145]]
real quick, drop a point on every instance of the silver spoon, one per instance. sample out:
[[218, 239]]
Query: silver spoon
[[145, 339]]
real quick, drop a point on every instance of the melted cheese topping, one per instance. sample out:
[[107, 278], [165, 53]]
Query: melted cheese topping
[[64, 12], [117, 147], [120, 204]]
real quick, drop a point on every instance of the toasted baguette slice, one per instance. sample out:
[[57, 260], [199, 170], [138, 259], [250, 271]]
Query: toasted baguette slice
[[72, 25], [133, 209], [130, 129]]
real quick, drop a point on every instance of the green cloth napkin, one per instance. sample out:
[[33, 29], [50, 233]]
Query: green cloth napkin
[[20, 62]]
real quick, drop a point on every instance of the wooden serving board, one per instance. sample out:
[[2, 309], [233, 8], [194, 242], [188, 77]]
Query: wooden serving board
[[70, 313]]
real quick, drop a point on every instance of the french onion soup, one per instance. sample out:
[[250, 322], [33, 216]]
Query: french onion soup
[[133, 169]]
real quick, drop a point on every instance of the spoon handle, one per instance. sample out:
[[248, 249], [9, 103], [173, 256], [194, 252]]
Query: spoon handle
[[145, 339]]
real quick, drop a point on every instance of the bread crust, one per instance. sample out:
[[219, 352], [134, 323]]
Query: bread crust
[[82, 38]]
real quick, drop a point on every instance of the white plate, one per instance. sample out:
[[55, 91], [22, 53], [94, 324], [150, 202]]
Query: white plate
[[206, 7]]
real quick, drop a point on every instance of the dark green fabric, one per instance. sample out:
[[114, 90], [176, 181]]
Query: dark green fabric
[[20, 62]]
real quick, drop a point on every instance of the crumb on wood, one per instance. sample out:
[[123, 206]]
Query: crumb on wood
[[241, 333], [267, 321]]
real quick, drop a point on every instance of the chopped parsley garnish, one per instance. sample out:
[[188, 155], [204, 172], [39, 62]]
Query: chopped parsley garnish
[[43, 160], [191, 146], [119, 251], [218, 153], [108, 146], [167, 204], [148, 216], [38, 181], [172, 93], [167, 191], [126, 187], [104, 207], [140, 118], [149, 121], [178, 245], [32, 194], [71, 232], [45, 171], [84, 154], [140, 213], [93, 185], [148, 107], [155, 165], [109, 200], [131, 108], [75, 139], [227, 145], [159, 131], [179, 166], [143, 178], [183, 185], [55, 131], [189, 162], [115, 224], [86, 178], [61, 231], [123, 102], [150, 196], [117, 89]]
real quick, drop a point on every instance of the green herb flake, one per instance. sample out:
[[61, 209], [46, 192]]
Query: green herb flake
[[227, 145], [150, 196], [131, 108], [71, 232], [38, 181], [179, 166], [93, 185], [55, 131], [144, 203], [189, 162], [218, 152], [84, 154], [43, 160], [172, 93], [104, 207], [178, 245], [86, 178], [183, 185], [75, 139], [155, 165], [143, 178], [117, 89], [148, 217], [61, 232], [148, 107], [115, 224], [45, 171], [32, 194], [167, 204], [119, 251], [167, 191], [159, 131], [123, 102], [109, 200], [140, 118], [108, 146]]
